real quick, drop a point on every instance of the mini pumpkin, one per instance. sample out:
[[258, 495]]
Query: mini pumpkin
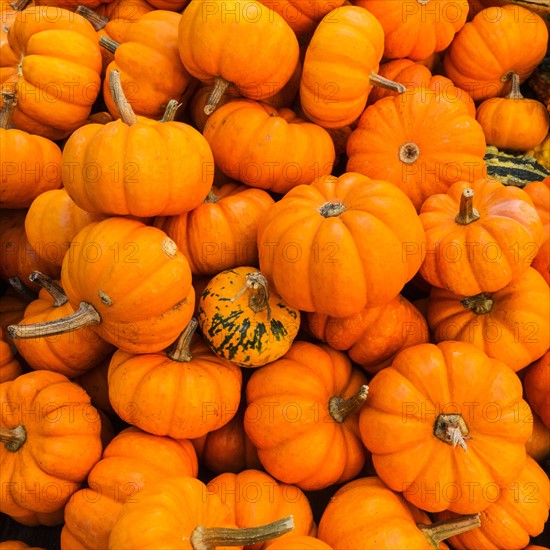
[[10, 367], [536, 382]]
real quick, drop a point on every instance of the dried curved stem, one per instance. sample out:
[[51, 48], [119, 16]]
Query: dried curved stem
[[258, 288], [124, 108], [220, 85], [436, 533], [339, 407], [181, 351]]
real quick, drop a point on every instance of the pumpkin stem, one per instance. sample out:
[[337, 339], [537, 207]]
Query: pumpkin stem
[[124, 108], [181, 351], [443, 530], [409, 152], [212, 197], [383, 82], [480, 304], [53, 289], [515, 92], [452, 429], [20, 5], [17, 285], [8, 108], [84, 316], [339, 407], [220, 85], [210, 538], [97, 21], [258, 288], [170, 111], [467, 213], [13, 438], [332, 208], [109, 44]]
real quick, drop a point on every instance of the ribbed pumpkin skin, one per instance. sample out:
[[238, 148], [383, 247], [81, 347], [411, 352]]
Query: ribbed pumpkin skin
[[212, 42], [10, 367], [539, 191], [535, 382], [519, 513], [132, 460], [237, 333], [497, 41], [346, 46], [516, 330], [415, 29], [267, 148]]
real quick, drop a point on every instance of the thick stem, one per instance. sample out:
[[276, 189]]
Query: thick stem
[[480, 304], [124, 108], [13, 438], [170, 111], [84, 316], [53, 289], [8, 108], [220, 85], [332, 208], [436, 533], [25, 292], [181, 351], [452, 429], [383, 82], [258, 293], [20, 5], [515, 92], [467, 213], [109, 44], [409, 152], [97, 21], [339, 407], [209, 538]]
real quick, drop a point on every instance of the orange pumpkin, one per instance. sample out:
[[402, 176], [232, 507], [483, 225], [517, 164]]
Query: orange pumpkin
[[190, 370], [10, 367], [221, 232], [291, 542], [480, 236], [215, 41], [94, 381], [46, 421], [302, 413], [132, 460], [497, 41], [344, 51], [511, 324], [417, 29], [150, 167], [445, 423], [58, 80], [513, 122], [340, 244], [539, 191], [17, 545], [517, 513], [538, 445], [422, 141], [275, 149], [374, 336], [536, 382]]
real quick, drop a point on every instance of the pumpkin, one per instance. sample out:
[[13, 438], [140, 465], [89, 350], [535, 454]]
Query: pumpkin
[[444, 424], [187, 516], [190, 370], [340, 244], [365, 513], [228, 449], [417, 29], [70, 353], [150, 167], [34, 165], [480, 236], [71, 4], [291, 542], [52, 221], [17, 545], [151, 72], [58, 80], [302, 413], [46, 421], [542, 152], [243, 320], [513, 169], [220, 233], [215, 41], [173, 5], [539, 191], [94, 381], [255, 498], [10, 367], [344, 52], [513, 122], [536, 382], [374, 336], [129, 281], [511, 324], [275, 149], [132, 460], [497, 41], [517, 513], [422, 141], [417, 77], [538, 445]]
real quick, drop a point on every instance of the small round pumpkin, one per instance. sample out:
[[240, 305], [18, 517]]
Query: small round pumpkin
[[536, 382], [539, 191]]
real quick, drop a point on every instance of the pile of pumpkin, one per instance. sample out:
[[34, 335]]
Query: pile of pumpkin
[[263, 242]]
